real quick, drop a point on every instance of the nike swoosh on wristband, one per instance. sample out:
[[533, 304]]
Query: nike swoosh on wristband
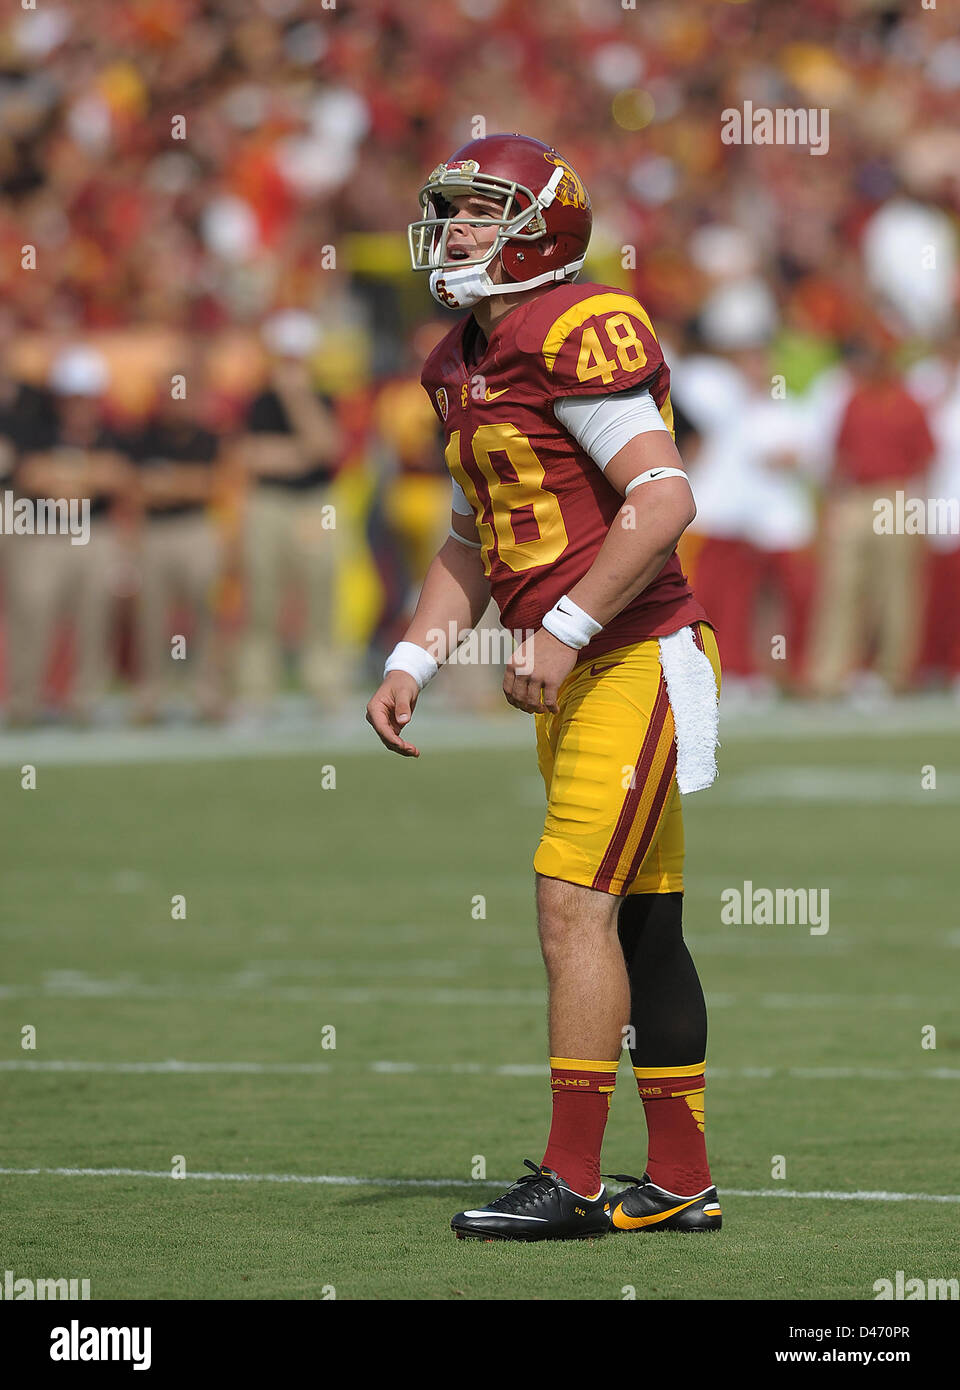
[[504, 1216]]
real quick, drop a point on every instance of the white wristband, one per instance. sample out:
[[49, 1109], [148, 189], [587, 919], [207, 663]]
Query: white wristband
[[570, 624], [416, 661]]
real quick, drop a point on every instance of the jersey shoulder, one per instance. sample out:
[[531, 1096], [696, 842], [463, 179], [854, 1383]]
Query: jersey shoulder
[[590, 340], [443, 365]]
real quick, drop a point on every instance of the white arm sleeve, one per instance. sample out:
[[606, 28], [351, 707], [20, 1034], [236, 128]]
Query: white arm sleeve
[[459, 501], [602, 425], [474, 545], [462, 507]]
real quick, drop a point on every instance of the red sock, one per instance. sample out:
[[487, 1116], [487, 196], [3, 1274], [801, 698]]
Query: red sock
[[673, 1105], [581, 1100]]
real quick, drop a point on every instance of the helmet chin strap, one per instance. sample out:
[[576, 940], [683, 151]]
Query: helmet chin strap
[[466, 286]]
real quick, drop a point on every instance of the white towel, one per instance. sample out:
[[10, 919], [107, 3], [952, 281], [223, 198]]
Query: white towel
[[692, 690]]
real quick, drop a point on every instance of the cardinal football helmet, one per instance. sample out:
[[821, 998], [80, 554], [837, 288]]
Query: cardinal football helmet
[[542, 197]]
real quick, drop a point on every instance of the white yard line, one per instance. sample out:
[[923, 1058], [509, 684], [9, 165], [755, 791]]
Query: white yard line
[[338, 1180], [122, 989], [523, 1069]]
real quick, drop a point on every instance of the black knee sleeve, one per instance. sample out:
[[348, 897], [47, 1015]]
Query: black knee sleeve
[[667, 1008]]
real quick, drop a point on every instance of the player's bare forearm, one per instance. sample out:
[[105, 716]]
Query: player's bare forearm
[[629, 559], [638, 544], [643, 534], [454, 595]]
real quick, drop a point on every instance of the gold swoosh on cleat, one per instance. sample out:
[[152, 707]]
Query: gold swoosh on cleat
[[632, 1223]]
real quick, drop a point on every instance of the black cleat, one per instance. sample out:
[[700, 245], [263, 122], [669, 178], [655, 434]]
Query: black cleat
[[539, 1206], [647, 1207]]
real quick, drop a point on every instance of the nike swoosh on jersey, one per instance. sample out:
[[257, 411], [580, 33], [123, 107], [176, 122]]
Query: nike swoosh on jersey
[[492, 396]]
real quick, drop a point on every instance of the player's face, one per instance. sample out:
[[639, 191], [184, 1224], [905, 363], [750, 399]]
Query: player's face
[[467, 243]]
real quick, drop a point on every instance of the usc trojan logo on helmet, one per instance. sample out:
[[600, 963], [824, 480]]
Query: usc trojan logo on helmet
[[570, 190]]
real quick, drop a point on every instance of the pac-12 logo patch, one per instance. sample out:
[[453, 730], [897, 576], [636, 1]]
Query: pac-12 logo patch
[[442, 401]]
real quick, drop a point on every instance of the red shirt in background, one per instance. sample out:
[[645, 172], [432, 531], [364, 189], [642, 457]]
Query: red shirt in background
[[883, 435]]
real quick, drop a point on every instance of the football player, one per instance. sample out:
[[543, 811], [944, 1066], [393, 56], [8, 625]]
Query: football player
[[568, 499]]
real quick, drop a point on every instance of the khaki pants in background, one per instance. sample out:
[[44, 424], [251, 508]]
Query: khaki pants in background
[[870, 587], [180, 559], [286, 540], [47, 581]]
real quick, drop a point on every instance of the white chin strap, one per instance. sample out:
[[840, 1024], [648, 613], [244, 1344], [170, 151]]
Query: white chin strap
[[468, 284]]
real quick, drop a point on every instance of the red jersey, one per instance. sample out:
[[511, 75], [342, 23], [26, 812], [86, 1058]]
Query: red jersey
[[542, 505]]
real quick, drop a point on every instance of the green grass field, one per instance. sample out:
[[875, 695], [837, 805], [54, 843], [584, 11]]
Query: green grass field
[[352, 907]]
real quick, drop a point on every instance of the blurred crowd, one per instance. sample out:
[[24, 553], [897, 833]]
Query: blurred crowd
[[209, 327]]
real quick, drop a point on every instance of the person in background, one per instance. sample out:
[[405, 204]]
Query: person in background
[[713, 394], [290, 449], [48, 577], [180, 551], [756, 516], [416, 483], [781, 518], [870, 583], [26, 410], [935, 382]]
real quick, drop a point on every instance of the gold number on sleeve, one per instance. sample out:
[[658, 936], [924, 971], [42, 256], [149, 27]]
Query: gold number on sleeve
[[622, 336]]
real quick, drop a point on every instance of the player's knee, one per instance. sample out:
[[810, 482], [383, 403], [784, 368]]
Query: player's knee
[[569, 914], [654, 914], [557, 936], [650, 927]]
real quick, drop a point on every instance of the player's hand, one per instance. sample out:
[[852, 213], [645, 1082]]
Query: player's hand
[[536, 672], [391, 709]]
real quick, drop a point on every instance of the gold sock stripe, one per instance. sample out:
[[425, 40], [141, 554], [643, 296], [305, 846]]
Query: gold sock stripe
[[698, 1092], [578, 1064], [647, 1073]]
